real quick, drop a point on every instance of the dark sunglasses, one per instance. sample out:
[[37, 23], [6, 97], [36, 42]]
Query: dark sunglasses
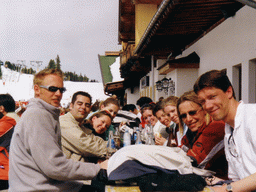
[[54, 89], [191, 113]]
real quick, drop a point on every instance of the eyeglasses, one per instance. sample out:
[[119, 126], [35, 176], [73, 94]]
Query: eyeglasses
[[232, 145], [191, 113], [53, 88]]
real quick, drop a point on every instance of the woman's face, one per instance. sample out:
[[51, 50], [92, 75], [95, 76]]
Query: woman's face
[[163, 118], [192, 115], [111, 108], [172, 113], [101, 124], [149, 117]]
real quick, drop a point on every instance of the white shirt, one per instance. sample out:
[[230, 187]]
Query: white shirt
[[241, 154]]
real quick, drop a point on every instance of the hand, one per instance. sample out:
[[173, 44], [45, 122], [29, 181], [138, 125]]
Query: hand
[[219, 188], [104, 164], [159, 140]]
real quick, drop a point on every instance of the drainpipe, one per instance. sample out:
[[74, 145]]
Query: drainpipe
[[250, 3]]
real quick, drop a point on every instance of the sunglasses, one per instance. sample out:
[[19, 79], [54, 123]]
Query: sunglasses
[[53, 89], [191, 113]]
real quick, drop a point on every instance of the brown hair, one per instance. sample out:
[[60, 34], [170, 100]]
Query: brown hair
[[110, 100], [213, 78], [100, 114]]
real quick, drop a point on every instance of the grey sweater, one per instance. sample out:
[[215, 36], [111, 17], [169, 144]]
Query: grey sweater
[[37, 162]]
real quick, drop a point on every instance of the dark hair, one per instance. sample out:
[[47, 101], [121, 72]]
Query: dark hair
[[143, 100], [213, 78], [80, 93], [8, 102], [147, 106], [159, 106], [95, 106], [129, 107], [110, 100]]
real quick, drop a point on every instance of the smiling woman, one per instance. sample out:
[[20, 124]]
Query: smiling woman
[[99, 123], [204, 140]]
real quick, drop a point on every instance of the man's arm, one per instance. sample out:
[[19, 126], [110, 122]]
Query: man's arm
[[80, 141], [42, 141], [246, 184]]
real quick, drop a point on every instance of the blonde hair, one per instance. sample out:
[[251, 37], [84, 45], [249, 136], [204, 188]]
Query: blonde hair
[[171, 100], [39, 77]]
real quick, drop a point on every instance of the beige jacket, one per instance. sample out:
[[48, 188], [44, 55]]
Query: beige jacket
[[78, 142]]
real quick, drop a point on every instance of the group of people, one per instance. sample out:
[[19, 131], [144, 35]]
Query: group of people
[[52, 152]]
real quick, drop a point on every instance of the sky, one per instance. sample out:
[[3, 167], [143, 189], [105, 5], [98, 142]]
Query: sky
[[76, 30]]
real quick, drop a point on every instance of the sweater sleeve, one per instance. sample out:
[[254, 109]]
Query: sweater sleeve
[[43, 144]]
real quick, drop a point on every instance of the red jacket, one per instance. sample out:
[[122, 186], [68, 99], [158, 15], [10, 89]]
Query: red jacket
[[6, 124], [207, 147]]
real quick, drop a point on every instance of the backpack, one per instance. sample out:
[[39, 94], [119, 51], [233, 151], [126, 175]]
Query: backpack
[[4, 163]]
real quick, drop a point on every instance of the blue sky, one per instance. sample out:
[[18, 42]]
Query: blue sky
[[76, 30]]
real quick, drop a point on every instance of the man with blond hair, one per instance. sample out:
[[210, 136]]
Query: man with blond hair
[[37, 162]]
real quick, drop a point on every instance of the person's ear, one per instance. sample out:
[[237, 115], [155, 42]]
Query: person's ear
[[93, 118], [229, 92], [2, 110], [37, 89], [102, 107], [71, 106]]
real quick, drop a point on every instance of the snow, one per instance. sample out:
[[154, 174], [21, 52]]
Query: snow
[[20, 87], [115, 71]]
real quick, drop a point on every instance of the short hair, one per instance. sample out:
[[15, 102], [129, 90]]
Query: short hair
[[188, 96], [110, 100], [129, 107], [39, 77], [74, 97], [171, 100], [7, 101], [213, 78], [143, 100]]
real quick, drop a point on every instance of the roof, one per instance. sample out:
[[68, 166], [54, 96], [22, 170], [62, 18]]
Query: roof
[[105, 62], [176, 25]]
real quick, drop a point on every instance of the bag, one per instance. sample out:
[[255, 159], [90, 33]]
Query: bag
[[4, 163], [171, 182]]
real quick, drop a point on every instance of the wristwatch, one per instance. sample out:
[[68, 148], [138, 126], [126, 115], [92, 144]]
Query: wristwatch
[[229, 188]]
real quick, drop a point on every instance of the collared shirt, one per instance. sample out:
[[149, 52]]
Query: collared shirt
[[240, 143]]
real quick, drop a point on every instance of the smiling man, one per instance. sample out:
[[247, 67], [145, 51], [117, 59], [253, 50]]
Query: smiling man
[[78, 142], [37, 162], [217, 95]]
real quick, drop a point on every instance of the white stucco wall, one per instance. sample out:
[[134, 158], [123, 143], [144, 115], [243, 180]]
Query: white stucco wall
[[231, 43], [132, 97]]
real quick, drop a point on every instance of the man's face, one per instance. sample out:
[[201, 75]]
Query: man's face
[[163, 118], [172, 113], [216, 102], [52, 98], [111, 108], [81, 108]]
